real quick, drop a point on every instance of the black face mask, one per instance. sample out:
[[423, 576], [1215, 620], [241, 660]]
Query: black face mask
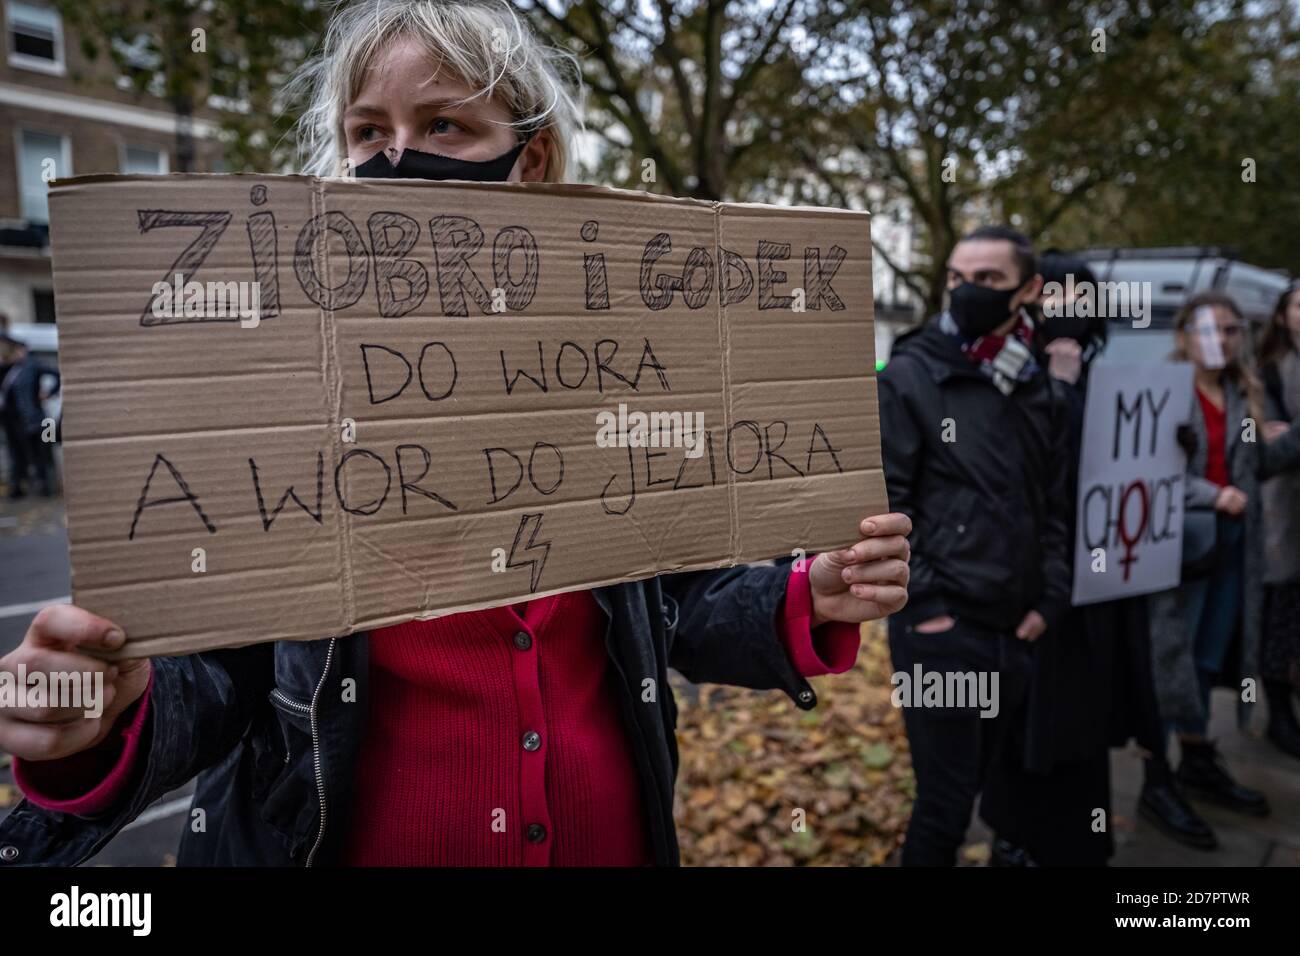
[[413, 164], [978, 310]]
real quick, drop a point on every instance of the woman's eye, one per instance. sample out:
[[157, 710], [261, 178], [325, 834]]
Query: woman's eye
[[367, 133], [442, 126]]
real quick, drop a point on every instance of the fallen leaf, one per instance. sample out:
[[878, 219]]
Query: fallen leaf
[[878, 756], [753, 765], [702, 798]]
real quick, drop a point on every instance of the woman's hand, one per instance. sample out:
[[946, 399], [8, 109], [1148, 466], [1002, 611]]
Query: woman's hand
[[1231, 501], [867, 581], [55, 645], [1064, 360]]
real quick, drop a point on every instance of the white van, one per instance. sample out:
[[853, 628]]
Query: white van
[[1176, 273]]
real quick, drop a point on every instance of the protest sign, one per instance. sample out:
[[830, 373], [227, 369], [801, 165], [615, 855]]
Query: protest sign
[[298, 408], [1129, 526]]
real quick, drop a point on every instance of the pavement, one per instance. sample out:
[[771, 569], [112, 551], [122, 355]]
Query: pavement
[[1243, 841], [34, 570]]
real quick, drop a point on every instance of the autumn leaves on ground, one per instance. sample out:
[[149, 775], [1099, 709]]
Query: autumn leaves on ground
[[750, 760]]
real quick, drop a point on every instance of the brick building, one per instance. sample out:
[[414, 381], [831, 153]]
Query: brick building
[[61, 115]]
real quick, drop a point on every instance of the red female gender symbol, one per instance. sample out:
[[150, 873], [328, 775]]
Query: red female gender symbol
[[1125, 538]]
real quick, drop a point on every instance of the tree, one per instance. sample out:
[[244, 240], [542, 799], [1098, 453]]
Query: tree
[[708, 92], [1082, 121], [1221, 171], [941, 112], [235, 54], [967, 110]]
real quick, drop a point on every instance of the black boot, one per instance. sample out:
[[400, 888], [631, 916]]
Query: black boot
[[1202, 774], [1164, 807], [1283, 728]]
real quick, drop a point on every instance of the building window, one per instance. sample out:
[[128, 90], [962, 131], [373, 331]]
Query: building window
[[148, 162], [41, 157], [43, 301], [35, 37]]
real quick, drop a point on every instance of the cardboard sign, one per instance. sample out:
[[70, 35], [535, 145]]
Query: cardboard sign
[[1129, 526], [297, 408]]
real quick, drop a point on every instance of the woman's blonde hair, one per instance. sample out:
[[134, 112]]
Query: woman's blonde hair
[[485, 43]]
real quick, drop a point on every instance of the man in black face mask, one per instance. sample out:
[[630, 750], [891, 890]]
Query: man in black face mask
[[974, 453]]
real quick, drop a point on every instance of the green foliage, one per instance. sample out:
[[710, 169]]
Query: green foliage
[[713, 92], [954, 112], [943, 112], [1230, 96], [1136, 142], [250, 48]]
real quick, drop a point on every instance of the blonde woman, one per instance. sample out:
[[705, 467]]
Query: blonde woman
[[513, 736]]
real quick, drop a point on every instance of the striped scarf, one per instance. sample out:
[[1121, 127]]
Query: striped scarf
[[1007, 360]]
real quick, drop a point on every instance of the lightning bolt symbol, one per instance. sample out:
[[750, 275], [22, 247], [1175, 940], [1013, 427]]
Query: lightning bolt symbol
[[539, 560]]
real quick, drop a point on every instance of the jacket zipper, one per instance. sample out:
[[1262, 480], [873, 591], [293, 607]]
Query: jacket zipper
[[315, 750], [289, 702]]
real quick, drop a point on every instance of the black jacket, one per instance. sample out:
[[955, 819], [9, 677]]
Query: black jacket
[[984, 478], [275, 744], [21, 395]]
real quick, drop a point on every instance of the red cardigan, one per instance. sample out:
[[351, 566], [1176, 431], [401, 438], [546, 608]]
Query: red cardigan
[[1216, 430], [493, 738]]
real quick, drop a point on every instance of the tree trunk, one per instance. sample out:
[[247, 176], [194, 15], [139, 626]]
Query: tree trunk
[[182, 84]]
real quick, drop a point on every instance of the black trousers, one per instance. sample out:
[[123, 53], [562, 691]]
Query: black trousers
[[28, 453], [954, 746]]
